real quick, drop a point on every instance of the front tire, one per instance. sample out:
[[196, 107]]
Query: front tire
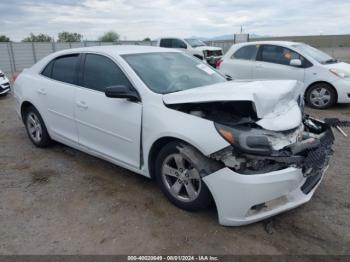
[[180, 182], [36, 128], [321, 96]]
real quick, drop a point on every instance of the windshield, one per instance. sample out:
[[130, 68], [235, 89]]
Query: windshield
[[169, 72], [195, 42], [316, 54]]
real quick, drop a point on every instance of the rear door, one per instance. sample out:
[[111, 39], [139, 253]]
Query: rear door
[[58, 91], [273, 62], [109, 126], [240, 65]]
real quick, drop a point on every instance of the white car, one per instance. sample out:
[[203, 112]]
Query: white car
[[193, 46], [4, 84], [166, 115], [326, 80]]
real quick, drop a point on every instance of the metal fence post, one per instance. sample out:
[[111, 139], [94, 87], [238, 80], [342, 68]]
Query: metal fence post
[[53, 47], [13, 58], [34, 54], [10, 57]]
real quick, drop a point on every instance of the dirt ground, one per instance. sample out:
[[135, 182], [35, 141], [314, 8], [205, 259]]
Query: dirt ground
[[62, 201]]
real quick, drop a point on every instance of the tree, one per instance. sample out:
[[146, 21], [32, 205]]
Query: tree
[[37, 38], [69, 37], [147, 39], [109, 36], [4, 38]]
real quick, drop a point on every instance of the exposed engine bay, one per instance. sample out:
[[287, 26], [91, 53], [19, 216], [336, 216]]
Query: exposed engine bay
[[256, 150]]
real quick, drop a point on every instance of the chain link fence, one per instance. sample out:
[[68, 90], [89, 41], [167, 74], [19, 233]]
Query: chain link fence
[[14, 57]]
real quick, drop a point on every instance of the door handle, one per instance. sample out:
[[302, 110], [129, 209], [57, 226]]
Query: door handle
[[42, 91], [82, 104]]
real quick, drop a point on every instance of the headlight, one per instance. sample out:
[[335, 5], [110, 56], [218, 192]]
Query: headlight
[[254, 141], [340, 73]]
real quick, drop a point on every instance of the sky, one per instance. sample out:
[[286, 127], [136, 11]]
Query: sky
[[138, 19]]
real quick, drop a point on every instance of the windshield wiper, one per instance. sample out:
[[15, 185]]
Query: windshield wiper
[[330, 61]]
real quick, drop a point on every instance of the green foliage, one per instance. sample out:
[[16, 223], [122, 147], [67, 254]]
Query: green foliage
[[147, 39], [110, 36], [37, 38], [4, 38], [69, 37]]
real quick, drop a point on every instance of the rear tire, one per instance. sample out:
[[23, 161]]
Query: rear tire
[[179, 181], [321, 96], [36, 128]]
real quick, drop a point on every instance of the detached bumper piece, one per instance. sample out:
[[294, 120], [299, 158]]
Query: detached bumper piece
[[316, 161]]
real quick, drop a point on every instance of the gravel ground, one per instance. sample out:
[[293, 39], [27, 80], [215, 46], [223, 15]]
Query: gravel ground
[[62, 201]]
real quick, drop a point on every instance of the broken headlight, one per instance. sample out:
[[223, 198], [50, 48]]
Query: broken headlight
[[248, 140]]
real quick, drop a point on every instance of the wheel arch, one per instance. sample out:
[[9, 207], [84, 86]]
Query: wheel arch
[[156, 147], [322, 82], [24, 106]]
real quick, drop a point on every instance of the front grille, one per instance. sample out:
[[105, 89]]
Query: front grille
[[316, 161], [5, 86], [310, 183], [214, 53]]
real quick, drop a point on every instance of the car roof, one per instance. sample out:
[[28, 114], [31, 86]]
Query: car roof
[[117, 49], [281, 43]]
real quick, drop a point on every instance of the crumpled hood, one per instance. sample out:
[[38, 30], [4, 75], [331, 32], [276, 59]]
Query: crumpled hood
[[210, 48], [275, 101]]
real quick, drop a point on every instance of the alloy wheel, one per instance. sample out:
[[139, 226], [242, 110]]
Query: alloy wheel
[[181, 179], [320, 97], [34, 127]]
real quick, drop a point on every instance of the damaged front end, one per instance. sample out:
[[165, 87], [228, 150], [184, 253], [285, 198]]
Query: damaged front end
[[275, 157], [254, 150]]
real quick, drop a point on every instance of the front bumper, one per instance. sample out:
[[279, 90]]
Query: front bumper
[[212, 59], [246, 198], [4, 86], [343, 90], [237, 196]]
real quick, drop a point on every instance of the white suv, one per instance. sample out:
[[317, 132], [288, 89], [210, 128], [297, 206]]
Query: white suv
[[326, 80], [193, 46]]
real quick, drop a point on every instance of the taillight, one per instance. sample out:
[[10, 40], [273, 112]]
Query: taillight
[[218, 63], [14, 77]]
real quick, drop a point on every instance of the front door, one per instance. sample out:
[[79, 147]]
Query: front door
[[273, 62], [108, 126]]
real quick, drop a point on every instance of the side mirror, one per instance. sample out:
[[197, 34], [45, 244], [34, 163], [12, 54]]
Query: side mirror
[[122, 92], [295, 62]]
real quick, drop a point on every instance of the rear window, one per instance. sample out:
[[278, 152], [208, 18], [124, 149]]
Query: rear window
[[64, 69], [166, 43], [246, 53], [48, 70]]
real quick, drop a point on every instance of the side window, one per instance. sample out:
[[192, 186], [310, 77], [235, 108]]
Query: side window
[[279, 55], [177, 43], [165, 42], [48, 70], [246, 52], [101, 72], [64, 69]]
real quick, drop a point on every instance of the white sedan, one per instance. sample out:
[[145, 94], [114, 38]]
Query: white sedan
[[166, 115], [326, 80]]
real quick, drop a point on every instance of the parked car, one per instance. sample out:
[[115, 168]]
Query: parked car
[[4, 84], [193, 46], [166, 115], [326, 80]]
